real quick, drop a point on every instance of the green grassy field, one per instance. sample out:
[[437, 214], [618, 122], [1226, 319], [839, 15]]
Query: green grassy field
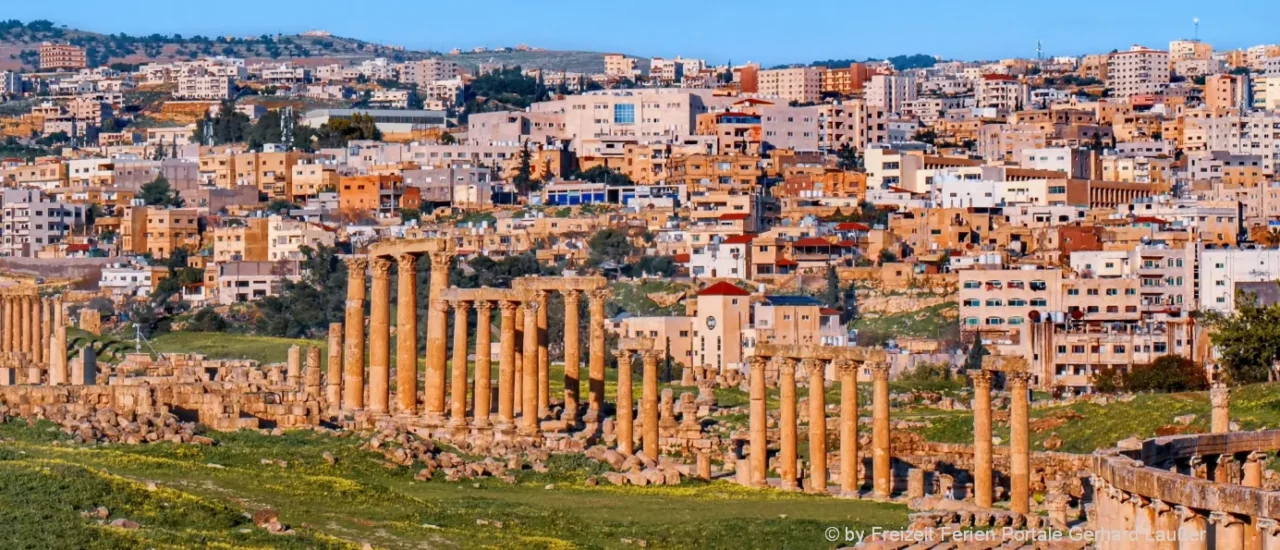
[[1085, 427], [936, 321], [203, 494]]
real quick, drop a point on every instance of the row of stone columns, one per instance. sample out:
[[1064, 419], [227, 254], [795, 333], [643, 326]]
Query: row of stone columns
[[523, 342], [1126, 520], [1019, 438], [882, 473], [32, 337]]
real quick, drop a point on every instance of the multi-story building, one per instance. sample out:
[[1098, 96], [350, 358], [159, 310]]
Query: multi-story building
[[1227, 93], [645, 115], [55, 57], [250, 281], [30, 221], [1222, 270], [891, 92], [799, 84], [204, 87], [798, 320], [1181, 50], [159, 231], [424, 72], [1137, 71], [722, 327], [1001, 92], [616, 64], [286, 237]]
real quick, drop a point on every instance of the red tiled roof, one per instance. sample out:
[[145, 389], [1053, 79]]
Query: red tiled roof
[[828, 311], [734, 216], [846, 243], [682, 258], [785, 261], [723, 289], [738, 239], [1149, 219], [812, 241], [852, 226], [753, 101], [998, 77], [78, 248]]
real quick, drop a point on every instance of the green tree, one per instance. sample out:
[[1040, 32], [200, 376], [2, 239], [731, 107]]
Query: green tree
[[973, 360], [207, 320], [848, 158], [834, 296], [447, 138], [305, 308], [158, 192], [1167, 374], [280, 206], [610, 246], [523, 180], [1248, 339], [603, 174]]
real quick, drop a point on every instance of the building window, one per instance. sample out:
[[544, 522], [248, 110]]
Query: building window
[[624, 113]]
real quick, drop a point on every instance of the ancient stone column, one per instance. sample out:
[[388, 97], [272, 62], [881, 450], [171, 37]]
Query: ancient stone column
[[787, 398], [407, 333], [6, 326], [1166, 525], [437, 335], [437, 348], [483, 382], [458, 382], [353, 355], [758, 422], [24, 323], [982, 474], [572, 361], [817, 426], [293, 365], [507, 366], [1269, 531], [46, 330], [1220, 398], [544, 359], [333, 379], [849, 459], [1193, 529], [37, 357], [380, 338], [1228, 531], [58, 349], [311, 375], [625, 405], [596, 360], [529, 391], [1019, 443], [649, 403], [1251, 473], [518, 386], [10, 324], [882, 470]]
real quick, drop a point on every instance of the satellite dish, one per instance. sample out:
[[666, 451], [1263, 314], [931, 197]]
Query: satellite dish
[[1034, 315]]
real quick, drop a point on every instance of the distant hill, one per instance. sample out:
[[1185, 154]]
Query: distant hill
[[899, 62], [19, 43]]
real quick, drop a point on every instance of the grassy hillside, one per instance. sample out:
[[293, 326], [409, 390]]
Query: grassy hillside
[[1085, 427], [202, 496]]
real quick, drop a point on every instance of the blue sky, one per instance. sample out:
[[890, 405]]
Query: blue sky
[[769, 32]]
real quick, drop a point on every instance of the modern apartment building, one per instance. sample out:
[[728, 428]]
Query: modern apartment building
[[204, 87], [891, 92], [55, 57], [30, 221], [159, 231], [616, 64], [1137, 71], [799, 84], [1001, 92]]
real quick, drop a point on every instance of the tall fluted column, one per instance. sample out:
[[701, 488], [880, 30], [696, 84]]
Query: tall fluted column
[[1220, 399], [572, 361], [353, 366], [787, 398], [11, 323], [881, 454], [333, 380], [483, 383], [758, 422], [1269, 530], [311, 375], [6, 326], [529, 387], [45, 311], [293, 366], [437, 333], [982, 439], [544, 359], [507, 366], [849, 459], [33, 371], [649, 403], [1019, 443], [1193, 529], [518, 387], [595, 373], [1228, 531], [58, 374], [817, 426], [380, 338], [1166, 525], [24, 323], [458, 382], [625, 405], [407, 334]]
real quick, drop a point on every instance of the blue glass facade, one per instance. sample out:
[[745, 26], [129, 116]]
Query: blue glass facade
[[624, 113]]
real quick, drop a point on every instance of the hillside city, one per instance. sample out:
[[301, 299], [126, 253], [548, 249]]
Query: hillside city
[[1055, 278]]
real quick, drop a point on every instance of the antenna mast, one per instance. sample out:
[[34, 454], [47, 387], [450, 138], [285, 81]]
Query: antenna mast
[[1196, 21]]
